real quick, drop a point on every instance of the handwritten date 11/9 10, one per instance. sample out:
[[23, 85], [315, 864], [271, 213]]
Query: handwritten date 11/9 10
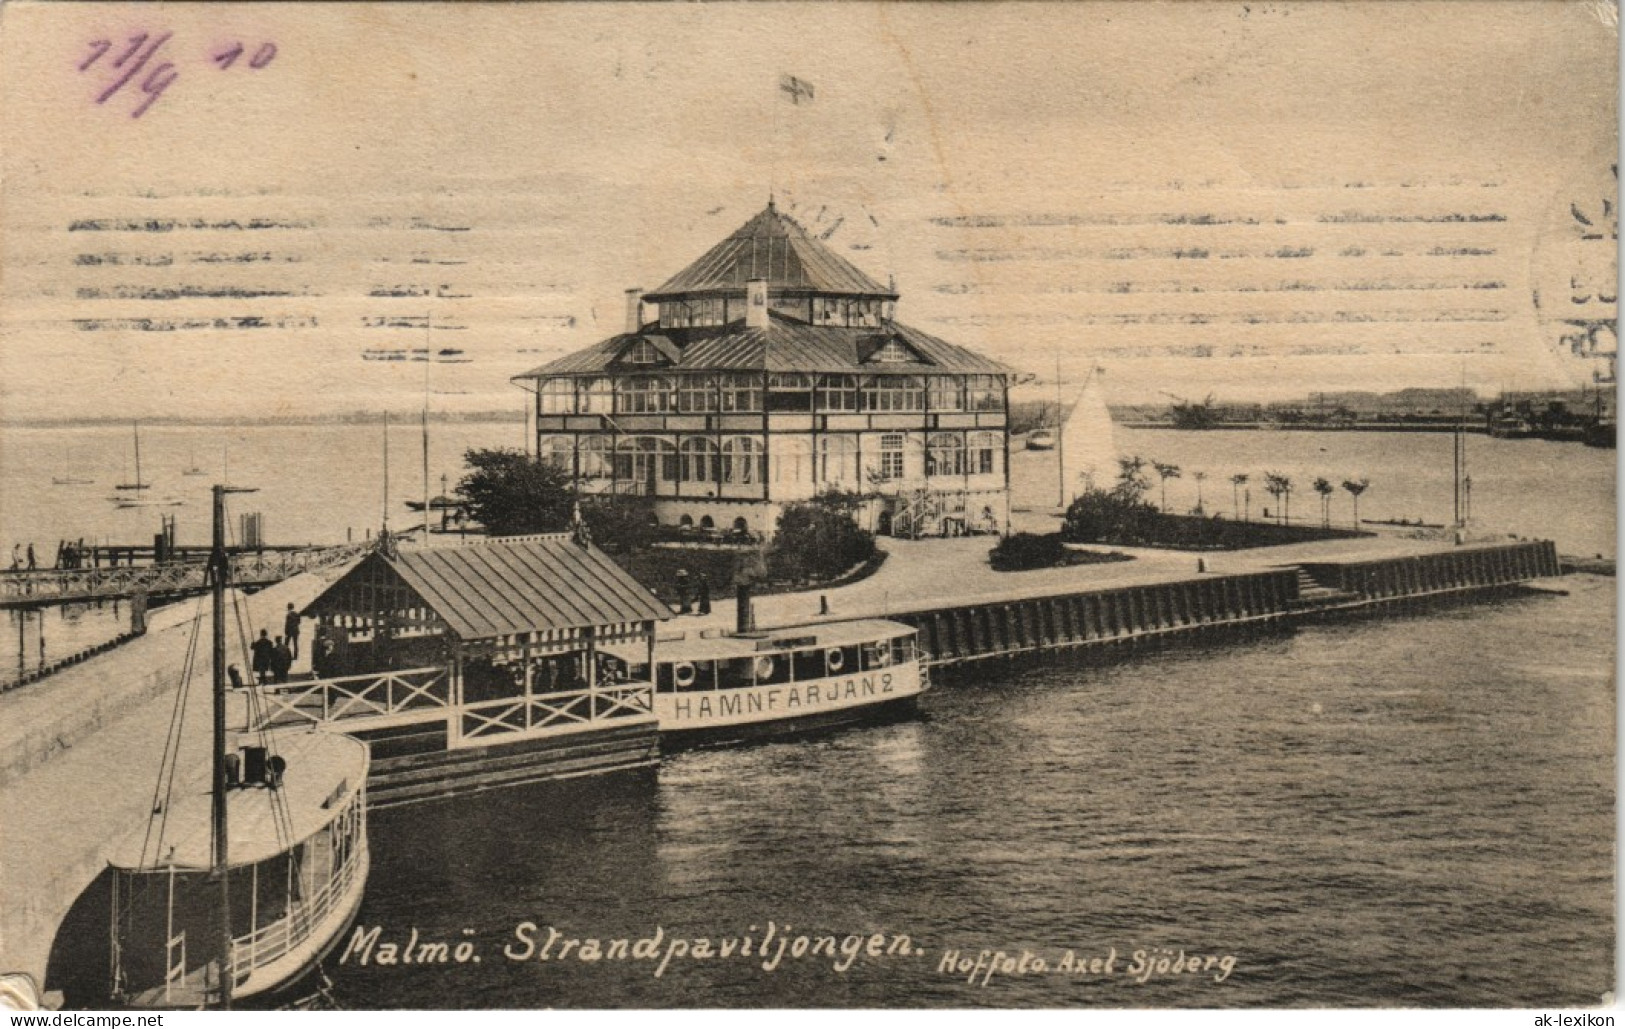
[[133, 57]]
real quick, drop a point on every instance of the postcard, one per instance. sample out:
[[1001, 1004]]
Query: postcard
[[866, 505]]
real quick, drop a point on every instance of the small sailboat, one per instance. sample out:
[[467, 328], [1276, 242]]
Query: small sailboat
[[1088, 451], [137, 484], [71, 479], [244, 878]]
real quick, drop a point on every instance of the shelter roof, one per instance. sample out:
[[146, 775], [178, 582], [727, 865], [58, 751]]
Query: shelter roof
[[504, 588]]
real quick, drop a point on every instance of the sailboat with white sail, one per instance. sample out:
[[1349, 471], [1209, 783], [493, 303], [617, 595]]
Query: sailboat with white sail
[[1086, 447], [138, 484]]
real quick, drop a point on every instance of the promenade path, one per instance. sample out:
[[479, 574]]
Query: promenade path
[[923, 574]]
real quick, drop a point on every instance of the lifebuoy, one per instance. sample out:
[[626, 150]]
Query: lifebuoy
[[764, 667], [835, 658], [683, 674]]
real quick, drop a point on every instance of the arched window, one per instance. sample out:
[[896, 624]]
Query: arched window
[[558, 451], [743, 460], [645, 394], [558, 396], [707, 522], [945, 454], [740, 525], [838, 460], [700, 459], [985, 448], [594, 455], [792, 463], [637, 459], [685, 522]]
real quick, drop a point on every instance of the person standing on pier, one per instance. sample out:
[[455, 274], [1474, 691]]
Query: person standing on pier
[[263, 650], [32, 565], [682, 591], [281, 660], [705, 595], [290, 627], [16, 557]]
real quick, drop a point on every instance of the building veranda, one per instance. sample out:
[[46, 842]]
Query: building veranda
[[766, 372]]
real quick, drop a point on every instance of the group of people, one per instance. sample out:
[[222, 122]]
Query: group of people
[[693, 596], [70, 555], [273, 660]]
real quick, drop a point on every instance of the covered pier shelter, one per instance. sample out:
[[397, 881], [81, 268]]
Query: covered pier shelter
[[476, 665]]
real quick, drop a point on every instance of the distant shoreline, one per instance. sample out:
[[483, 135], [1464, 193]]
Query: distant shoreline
[[347, 418]]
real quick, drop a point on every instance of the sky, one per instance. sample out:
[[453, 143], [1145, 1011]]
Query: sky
[[285, 204]]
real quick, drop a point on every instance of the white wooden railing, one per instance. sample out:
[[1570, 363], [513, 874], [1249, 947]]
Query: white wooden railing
[[374, 695], [549, 713]]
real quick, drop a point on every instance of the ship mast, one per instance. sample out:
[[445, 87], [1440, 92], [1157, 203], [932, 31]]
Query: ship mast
[[219, 572]]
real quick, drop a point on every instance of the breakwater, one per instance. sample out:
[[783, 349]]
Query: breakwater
[[1213, 604]]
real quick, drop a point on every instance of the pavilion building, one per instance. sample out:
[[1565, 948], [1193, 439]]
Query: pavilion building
[[768, 371]]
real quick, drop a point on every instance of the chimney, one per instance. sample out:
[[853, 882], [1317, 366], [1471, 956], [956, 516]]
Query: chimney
[[756, 304], [634, 310]]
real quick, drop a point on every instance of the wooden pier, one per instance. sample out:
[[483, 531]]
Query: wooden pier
[[165, 580]]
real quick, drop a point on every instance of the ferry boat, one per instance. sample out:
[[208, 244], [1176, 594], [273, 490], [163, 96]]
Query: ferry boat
[[241, 880], [726, 687]]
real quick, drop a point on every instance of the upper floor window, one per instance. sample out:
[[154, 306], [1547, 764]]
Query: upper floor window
[[984, 393], [696, 394], [893, 393], [595, 396], [837, 393], [683, 314], [645, 394], [557, 396], [789, 391], [947, 393], [741, 392]]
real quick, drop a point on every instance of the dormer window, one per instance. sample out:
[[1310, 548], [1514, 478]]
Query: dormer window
[[642, 352], [893, 351]]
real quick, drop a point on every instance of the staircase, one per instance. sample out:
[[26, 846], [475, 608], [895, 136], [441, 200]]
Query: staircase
[[1312, 594]]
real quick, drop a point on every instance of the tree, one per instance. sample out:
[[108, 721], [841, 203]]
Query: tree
[[1200, 478], [1355, 488], [1131, 476], [1325, 489], [1164, 473], [1280, 487], [1236, 482], [510, 493]]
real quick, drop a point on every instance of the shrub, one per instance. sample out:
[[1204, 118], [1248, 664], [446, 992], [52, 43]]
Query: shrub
[[817, 541], [1117, 515], [1025, 551]]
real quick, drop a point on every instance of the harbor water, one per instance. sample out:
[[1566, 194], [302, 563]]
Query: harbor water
[[1415, 812]]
